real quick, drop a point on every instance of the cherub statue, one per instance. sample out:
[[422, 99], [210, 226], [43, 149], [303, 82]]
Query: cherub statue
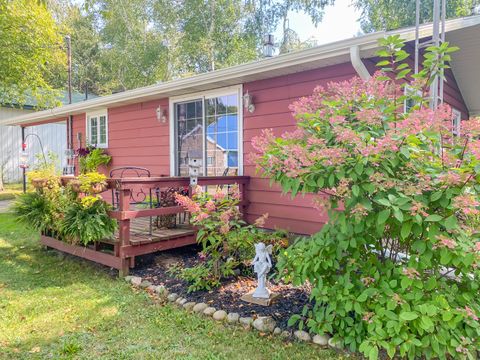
[[262, 265]]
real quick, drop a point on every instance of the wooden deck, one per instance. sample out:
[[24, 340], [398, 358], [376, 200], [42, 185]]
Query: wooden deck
[[140, 232]]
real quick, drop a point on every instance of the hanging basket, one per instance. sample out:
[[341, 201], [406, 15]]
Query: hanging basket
[[98, 188]]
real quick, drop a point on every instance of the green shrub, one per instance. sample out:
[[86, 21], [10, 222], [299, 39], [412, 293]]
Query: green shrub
[[396, 268], [87, 221], [35, 210], [227, 241]]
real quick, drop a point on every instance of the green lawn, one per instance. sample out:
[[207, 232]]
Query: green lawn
[[10, 191], [63, 308]]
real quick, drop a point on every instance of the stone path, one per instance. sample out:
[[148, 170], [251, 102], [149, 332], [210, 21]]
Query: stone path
[[4, 205]]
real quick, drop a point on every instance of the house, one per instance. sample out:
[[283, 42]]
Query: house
[[215, 115], [52, 135]]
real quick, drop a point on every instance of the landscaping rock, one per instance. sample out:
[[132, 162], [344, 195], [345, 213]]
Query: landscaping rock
[[151, 288], [128, 278], [199, 308], [189, 305], [246, 322], [302, 335], [161, 290], [285, 334], [145, 284], [172, 297], [209, 311], [277, 331], [321, 340], [232, 318], [182, 302], [264, 324], [334, 344], [136, 280], [219, 315]]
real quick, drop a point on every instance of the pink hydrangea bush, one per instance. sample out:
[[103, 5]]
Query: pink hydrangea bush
[[396, 269], [227, 241]]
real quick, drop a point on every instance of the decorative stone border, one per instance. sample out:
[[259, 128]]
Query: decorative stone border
[[263, 324]]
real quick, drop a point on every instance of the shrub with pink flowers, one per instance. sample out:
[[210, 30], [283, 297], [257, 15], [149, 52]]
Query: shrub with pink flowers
[[227, 241], [395, 271]]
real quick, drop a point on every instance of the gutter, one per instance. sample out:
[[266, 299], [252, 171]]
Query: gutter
[[358, 64]]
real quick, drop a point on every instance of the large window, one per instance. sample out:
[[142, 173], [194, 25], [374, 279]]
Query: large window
[[208, 127], [97, 129]]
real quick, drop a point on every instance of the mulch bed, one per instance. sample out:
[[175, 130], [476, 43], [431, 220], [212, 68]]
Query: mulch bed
[[153, 267]]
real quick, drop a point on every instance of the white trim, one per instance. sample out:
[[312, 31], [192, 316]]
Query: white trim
[[240, 73], [456, 114], [202, 95], [97, 114]]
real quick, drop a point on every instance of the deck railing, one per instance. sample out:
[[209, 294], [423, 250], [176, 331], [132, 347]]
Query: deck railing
[[124, 213]]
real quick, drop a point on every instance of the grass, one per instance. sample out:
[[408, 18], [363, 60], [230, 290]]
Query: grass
[[10, 191], [66, 308]]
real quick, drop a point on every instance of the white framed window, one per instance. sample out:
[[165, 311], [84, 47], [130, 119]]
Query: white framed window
[[410, 101], [97, 128], [209, 126], [456, 121]]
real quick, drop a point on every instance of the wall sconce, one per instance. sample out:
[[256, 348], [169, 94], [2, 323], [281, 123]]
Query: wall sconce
[[161, 114], [248, 102]]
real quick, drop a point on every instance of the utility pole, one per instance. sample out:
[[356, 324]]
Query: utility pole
[[68, 40]]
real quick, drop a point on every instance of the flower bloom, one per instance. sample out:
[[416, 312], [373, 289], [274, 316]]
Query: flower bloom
[[187, 203], [225, 228], [444, 241], [260, 222], [477, 246], [467, 203], [411, 273], [201, 216], [470, 313], [368, 317], [210, 205]]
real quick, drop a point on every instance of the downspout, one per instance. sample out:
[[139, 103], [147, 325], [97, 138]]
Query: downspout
[[358, 64]]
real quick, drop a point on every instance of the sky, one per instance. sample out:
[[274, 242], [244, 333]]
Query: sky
[[340, 22]]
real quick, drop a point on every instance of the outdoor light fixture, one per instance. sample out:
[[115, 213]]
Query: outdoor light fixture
[[248, 102], [161, 114]]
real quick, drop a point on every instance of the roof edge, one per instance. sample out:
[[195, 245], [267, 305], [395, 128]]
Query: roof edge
[[338, 48]]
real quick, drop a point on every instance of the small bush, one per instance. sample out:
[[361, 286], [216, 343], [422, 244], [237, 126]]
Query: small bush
[[227, 241]]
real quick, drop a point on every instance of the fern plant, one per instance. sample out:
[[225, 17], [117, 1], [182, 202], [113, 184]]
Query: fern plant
[[87, 222], [36, 211]]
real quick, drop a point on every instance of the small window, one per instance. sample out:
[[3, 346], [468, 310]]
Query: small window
[[210, 160], [456, 121], [97, 129], [410, 101]]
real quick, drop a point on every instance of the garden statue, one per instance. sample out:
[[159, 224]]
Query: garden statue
[[261, 266], [262, 263]]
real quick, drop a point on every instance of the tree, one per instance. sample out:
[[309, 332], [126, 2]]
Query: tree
[[31, 53], [380, 15]]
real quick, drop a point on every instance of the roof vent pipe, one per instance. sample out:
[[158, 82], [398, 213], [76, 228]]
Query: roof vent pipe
[[268, 47]]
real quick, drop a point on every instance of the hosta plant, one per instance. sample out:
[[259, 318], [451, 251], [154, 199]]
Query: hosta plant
[[396, 268]]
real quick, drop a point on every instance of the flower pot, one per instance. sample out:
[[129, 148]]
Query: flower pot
[[98, 188], [39, 183], [75, 185]]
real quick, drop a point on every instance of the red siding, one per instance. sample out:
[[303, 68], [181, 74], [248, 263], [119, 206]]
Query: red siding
[[135, 136], [272, 98]]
